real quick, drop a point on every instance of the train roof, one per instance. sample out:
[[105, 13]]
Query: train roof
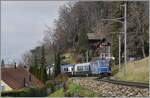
[[66, 64], [83, 64]]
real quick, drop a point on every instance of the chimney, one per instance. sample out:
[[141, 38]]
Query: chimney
[[24, 81], [30, 77]]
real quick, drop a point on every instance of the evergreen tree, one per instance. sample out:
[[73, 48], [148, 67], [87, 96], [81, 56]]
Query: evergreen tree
[[31, 69], [82, 42], [36, 67], [2, 63], [57, 64], [43, 66]]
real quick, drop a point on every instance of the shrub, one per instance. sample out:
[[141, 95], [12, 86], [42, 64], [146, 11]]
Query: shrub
[[73, 89], [115, 69], [51, 85], [26, 92], [61, 78], [58, 93]]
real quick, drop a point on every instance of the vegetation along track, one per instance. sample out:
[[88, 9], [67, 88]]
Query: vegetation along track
[[126, 83]]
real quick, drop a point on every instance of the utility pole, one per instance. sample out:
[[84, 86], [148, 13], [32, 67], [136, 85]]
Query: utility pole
[[125, 37], [87, 56], [119, 52]]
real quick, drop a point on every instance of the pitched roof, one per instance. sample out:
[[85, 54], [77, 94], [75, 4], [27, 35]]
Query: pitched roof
[[94, 36], [15, 78]]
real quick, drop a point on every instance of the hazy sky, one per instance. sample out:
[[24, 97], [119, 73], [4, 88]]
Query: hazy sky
[[22, 25]]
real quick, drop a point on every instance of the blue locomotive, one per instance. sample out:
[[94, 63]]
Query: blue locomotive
[[101, 67]]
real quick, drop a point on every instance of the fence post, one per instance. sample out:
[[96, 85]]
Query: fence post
[[65, 89]]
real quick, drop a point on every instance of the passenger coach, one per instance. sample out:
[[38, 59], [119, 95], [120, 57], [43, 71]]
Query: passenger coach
[[82, 69], [67, 69]]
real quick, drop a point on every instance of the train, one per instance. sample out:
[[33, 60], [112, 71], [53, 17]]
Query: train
[[99, 65], [100, 68]]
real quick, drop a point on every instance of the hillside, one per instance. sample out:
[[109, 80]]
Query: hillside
[[137, 71]]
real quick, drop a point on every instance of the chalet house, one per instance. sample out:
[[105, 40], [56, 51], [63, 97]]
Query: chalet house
[[94, 39], [17, 78], [98, 44]]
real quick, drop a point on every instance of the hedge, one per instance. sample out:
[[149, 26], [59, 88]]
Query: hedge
[[26, 92]]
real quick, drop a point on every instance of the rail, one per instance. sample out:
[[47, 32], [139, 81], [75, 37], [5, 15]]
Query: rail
[[126, 83]]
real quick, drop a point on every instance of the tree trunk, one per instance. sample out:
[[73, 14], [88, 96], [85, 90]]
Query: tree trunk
[[142, 48], [141, 29]]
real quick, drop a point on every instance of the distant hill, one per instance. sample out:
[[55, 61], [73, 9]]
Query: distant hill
[[137, 71]]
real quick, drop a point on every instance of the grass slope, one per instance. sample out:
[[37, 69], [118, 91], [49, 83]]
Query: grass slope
[[137, 71], [58, 93]]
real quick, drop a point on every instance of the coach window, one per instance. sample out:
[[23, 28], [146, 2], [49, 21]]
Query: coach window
[[65, 69], [80, 68], [96, 64], [86, 68]]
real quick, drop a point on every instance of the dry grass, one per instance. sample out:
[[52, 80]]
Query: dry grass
[[137, 71]]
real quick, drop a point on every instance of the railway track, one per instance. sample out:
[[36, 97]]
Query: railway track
[[125, 83]]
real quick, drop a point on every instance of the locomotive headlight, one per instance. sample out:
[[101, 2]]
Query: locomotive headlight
[[113, 58]]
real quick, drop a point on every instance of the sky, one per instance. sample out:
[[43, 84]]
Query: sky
[[23, 25]]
